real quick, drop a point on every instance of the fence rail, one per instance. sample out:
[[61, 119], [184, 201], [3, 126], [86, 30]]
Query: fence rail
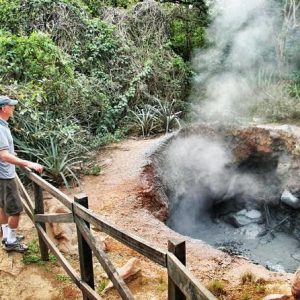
[[182, 284]]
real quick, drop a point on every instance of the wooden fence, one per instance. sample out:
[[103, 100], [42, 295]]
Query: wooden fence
[[182, 284]]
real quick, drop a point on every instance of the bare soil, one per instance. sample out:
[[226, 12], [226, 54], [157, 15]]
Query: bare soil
[[117, 193]]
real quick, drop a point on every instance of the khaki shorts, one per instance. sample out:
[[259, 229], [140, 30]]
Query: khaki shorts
[[10, 200]]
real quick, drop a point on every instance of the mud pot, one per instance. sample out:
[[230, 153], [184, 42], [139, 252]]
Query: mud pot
[[238, 189]]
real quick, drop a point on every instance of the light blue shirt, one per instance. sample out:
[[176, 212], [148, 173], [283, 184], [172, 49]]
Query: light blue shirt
[[7, 170]]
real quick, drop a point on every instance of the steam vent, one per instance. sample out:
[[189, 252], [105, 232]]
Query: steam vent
[[238, 189]]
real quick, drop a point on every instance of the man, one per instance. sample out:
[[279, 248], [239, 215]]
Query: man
[[10, 202]]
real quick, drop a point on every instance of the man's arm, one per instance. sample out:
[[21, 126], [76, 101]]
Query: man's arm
[[9, 158]]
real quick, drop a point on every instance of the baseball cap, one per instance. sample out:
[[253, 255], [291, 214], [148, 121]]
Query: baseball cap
[[4, 100]]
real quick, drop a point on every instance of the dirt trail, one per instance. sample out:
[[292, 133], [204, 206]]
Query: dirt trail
[[115, 194]]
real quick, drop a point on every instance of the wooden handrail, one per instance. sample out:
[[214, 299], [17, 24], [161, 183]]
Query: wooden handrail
[[180, 276], [54, 218], [110, 270], [67, 201], [132, 241], [186, 281], [66, 265]]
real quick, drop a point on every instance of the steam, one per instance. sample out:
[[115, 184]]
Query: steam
[[199, 173], [237, 71], [243, 38]]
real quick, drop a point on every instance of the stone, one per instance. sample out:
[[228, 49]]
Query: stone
[[296, 284], [245, 217], [129, 269], [251, 231], [289, 199]]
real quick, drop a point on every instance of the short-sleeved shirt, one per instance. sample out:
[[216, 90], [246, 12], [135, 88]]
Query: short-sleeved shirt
[[7, 170]]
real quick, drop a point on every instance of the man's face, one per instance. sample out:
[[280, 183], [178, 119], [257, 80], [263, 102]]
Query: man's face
[[8, 110]]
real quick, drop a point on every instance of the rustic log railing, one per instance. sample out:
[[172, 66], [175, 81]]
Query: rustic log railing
[[182, 284]]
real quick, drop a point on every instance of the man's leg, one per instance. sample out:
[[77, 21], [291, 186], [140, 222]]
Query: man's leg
[[4, 224], [13, 222], [13, 208]]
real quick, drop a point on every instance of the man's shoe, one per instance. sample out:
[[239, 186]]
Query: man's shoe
[[19, 239], [16, 246]]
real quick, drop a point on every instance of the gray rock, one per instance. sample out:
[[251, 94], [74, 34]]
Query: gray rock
[[251, 231], [289, 199], [245, 217]]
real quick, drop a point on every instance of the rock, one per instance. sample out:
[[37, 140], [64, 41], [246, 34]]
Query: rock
[[251, 231], [245, 217], [290, 200], [276, 297], [62, 234], [126, 271], [296, 284]]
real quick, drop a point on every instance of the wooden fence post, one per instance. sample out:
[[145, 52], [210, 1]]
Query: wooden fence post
[[39, 209], [179, 250], [85, 252]]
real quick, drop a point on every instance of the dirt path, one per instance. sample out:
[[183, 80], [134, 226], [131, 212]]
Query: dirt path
[[115, 194]]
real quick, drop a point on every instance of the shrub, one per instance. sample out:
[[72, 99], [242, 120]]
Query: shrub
[[248, 277], [10, 16], [60, 163], [32, 58], [93, 53], [57, 144]]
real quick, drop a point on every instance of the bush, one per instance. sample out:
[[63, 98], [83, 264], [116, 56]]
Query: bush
[[32, 58], [56, 144], [93, 53]]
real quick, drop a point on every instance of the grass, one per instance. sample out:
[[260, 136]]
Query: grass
[[102, 284], [63, 277], [162, 284], [217, 287], [32, 255], [95, 170], [248, 277], [245, 296]]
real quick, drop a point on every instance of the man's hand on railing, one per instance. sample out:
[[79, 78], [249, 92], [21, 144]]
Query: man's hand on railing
[[35, 166]]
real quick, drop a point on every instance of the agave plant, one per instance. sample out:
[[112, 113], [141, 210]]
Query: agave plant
[[166, 115], [145, 119], [60, 162]]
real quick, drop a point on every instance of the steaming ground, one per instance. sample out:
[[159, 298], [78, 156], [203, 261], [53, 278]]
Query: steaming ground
[[208, 189], [278, 253]]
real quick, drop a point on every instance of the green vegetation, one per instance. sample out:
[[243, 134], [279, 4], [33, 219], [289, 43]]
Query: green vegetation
[[32, 255], [217, 287], [88, 72], [63, 277], [80, 67], [102, 284], [246, 296]]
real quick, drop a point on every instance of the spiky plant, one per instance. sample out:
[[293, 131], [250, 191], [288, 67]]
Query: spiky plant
[[145, 119], [166, 115]]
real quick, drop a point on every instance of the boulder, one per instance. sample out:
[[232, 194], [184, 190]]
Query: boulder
[[289, 199]]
